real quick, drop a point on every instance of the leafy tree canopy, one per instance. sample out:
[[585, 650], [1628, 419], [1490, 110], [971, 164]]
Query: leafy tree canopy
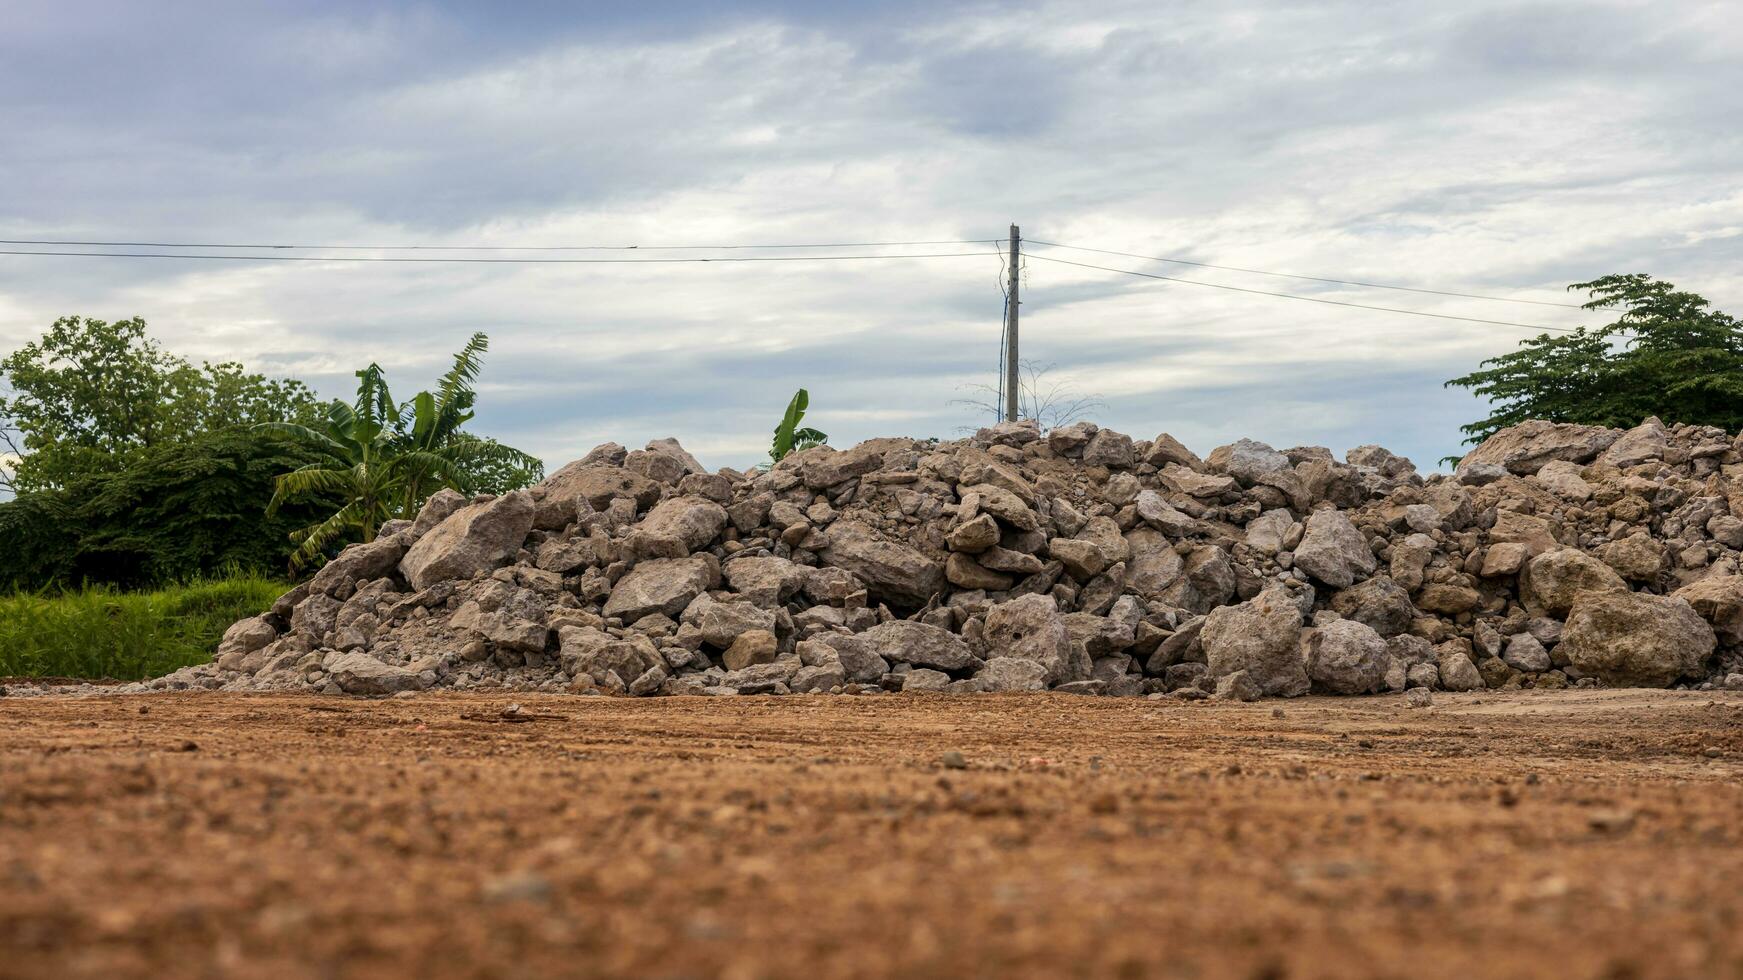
[[1667, 354], [91, 396], [183, 509]]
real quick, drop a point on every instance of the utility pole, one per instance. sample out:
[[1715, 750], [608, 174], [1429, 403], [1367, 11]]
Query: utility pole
[[1012, 401]]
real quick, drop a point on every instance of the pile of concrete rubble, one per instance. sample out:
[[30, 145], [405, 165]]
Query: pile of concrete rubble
[[1073, 560]]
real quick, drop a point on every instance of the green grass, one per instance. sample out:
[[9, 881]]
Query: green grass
[[98, 632]]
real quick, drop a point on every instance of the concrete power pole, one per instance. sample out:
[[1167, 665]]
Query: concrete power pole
[[1012, 399]]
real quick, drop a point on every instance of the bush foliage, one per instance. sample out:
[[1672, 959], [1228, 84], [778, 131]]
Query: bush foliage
[[180, 510], [1667, 354], [97, 632]]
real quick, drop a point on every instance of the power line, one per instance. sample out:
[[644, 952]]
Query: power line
[[1307, 299], [1291, 275], [488, 248], [507, 261]]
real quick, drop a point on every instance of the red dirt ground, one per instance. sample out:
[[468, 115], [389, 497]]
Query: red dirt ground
[[1565, 834]]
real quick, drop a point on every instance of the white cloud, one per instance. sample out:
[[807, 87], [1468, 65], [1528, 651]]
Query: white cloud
[[1478, 147]]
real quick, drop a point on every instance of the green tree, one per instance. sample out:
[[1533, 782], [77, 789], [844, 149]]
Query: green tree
[[91, 396], [182, 510], [382, 459], [1667, 354]]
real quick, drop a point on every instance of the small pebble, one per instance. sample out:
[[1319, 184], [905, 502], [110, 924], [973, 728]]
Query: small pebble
[[953, 760]]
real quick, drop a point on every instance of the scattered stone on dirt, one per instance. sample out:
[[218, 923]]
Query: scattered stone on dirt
[[1537, 834], [1078, 560]]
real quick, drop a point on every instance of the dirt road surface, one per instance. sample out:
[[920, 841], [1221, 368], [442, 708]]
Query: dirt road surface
[[1565, 834]]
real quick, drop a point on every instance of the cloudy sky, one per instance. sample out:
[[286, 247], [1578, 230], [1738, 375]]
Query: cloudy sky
[[1504, 148]]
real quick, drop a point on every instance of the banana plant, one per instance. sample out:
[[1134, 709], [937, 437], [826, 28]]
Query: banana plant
[[383, 459], [789, 437]]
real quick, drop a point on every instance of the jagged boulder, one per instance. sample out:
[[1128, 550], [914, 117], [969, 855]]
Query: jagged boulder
[[889, 568], [1346, 657], [665, 586], [359, 673], [1719, 600], [1633, 639], [919, 644], [1031, 628], [1333, 551], [1524, 448], [1260, 637], [1553, 581], [473, 539], [676, 527]]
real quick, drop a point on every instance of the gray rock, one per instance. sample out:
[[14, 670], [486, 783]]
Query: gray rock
[[888, 568], [767, 581], [1258, 636], [1163, 516], [925, 680], [599, 655], [1346, 657], [1031, 628], [1001, 674], [1632, 639], [905, 642], [1238, 686], [664, 585], [1333, 551], [1246, 460], [359, 562], [1524, 448], [720, 623], [1525, 653], [1109, 448], [820, 678], [1379, 603], [1457, 672], [474, 539], [676, 527], [1267, 532], [359, 673], [862, 664]]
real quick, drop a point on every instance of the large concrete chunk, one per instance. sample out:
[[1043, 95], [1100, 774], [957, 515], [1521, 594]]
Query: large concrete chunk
[[1031, 628], [721, 622], [476, 538], [1554, 580], [890, 569], [678, 526], [664, 585], [599, 485], [1719, 600], [1333, 551], [359, 563], [1346, 657], [1632, 639], [905, 642], [765, 580], [1524, 448], [1260, 637], [359, 673]]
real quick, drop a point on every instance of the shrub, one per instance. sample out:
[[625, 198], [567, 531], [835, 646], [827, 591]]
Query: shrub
[[98, 632]]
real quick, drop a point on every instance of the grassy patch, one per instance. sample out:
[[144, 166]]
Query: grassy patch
[[99, 632]]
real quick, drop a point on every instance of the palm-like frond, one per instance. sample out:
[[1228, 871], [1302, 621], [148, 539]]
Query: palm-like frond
[[385, 459], [313, 541]]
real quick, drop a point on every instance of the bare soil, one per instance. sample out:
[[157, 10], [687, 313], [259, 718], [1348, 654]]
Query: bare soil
[[1565, 834]]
